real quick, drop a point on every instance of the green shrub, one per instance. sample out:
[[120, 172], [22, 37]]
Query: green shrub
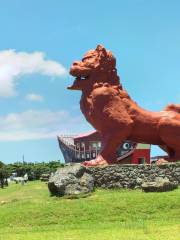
[[34, 170]]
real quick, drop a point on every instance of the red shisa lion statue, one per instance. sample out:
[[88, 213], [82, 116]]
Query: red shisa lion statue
[[112, 112]]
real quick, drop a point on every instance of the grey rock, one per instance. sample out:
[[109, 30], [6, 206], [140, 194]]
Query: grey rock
[[45, 177], [159, 185], [74, 179], [139, 180], [117, 185], [71, 180]]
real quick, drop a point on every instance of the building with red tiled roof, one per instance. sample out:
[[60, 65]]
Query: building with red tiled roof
[[84, 147]]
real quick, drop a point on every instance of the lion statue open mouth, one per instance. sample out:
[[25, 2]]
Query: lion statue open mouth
[[111, 111]]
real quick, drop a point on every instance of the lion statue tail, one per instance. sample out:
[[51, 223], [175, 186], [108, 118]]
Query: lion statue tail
[[173, 107]]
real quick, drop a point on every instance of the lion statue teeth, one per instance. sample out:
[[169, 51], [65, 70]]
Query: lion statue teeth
[[112, 112]]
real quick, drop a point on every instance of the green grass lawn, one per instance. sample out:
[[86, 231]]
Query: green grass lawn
[[28, 213]]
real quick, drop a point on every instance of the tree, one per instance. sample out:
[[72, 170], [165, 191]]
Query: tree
[[3, 176], [1, 164], [34, 170]]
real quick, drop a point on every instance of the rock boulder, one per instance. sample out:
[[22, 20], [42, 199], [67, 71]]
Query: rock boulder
[[159, 185], [71, 180]]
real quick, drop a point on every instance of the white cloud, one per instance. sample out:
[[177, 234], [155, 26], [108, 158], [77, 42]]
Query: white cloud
[[44, 124], [34, 97], [16, 64]]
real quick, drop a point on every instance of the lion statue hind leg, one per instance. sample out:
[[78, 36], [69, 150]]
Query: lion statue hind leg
[[169, 131]]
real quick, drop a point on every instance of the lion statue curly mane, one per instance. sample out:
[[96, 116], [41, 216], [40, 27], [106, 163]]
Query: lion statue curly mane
[[111, 111]]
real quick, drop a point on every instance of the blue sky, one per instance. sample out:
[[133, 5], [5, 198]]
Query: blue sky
[[39, 41]]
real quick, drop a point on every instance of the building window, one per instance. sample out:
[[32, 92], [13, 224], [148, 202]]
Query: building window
[[95, 145], [142, 160], [87, 155], [94, 155], [77, 146]]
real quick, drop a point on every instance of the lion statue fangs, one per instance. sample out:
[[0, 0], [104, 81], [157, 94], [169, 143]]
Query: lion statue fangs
[[111, 111]]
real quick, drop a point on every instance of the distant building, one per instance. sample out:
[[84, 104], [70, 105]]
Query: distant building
[[156, 158], [84, 147]]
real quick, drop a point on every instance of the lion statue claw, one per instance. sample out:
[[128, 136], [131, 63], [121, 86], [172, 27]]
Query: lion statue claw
[[112, 112], [98, 161]]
